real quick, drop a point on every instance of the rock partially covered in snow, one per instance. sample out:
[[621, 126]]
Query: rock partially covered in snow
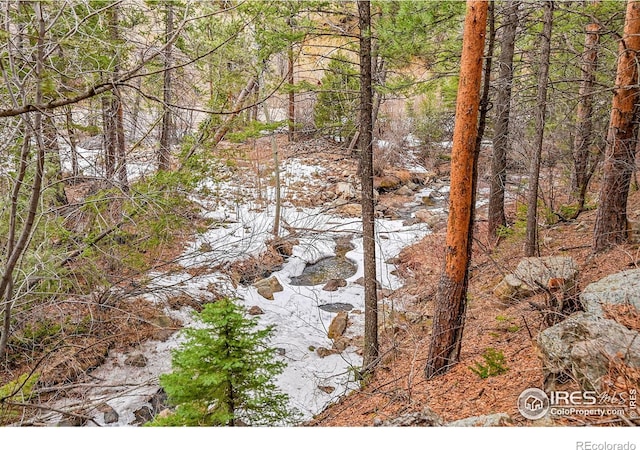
[[255, 310], [338, 325], [267, 287], [334, 283], [345, 190]]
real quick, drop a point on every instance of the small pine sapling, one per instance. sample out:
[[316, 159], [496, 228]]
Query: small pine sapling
[[224, 373]]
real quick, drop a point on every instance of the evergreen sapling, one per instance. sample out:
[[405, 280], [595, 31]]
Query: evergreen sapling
[[224, 373]]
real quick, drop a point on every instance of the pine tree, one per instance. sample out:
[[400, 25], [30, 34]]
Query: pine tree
[[224, 372]]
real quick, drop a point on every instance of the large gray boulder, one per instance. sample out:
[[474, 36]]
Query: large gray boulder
[[425, 418], [534, 274], [490, 420], [622, 288], [583, 346]]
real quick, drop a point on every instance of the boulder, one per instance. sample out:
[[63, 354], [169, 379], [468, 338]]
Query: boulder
[[583, 347], [338, 325], [490, 420], [622, 288], [267, 287], [534, 274], [425, 418], [334, 283]]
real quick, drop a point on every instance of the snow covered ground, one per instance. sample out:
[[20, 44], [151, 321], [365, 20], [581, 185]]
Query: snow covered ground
[[300, 326]]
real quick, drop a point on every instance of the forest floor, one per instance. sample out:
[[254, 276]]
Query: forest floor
[[398, 386]]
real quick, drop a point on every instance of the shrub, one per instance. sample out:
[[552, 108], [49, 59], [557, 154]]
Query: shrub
[[494, 364]]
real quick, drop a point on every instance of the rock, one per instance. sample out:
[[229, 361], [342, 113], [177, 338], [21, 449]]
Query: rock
[[512, 288], [428, 201], [267, 287], [360, 282], [165, 326], [336, 307], [340, 344], [425, 418], [158, 401], [490, 420], [324, 352], [72, 421], [534, 274], [142, 415], [334, 283], [583, 347], [338, 325], [345, 190], [410, 222], [255, 310], [350, 210], [411, 185], [281, 351], [136, 360], [622, 288], [404, 191], [423, 178], [386, 183], [431, 218], [110, 414], [327, 389]]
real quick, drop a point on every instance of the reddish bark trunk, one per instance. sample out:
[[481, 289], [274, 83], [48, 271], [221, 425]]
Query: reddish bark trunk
[[611, 218], [450, 307]]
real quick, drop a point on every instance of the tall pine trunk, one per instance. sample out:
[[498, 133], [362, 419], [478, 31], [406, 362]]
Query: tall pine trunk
[[450, 308], [611, 218], [497, 217], [365, 141], [531, 242], [584, 123], [164, 150]]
